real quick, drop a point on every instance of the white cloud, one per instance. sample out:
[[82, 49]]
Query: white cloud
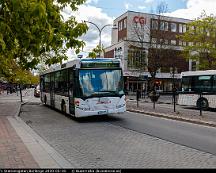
[[149, 1], [194, 8], [141, 7], [128, 6], [97, 16], [91, 1]]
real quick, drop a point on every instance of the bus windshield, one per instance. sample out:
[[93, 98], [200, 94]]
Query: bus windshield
[[101, 82]]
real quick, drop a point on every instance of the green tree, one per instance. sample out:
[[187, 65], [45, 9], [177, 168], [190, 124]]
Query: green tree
[[201, 36], [32, 31], [96, 51]]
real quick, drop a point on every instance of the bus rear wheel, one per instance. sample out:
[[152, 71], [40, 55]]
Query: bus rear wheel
[[202, 103]]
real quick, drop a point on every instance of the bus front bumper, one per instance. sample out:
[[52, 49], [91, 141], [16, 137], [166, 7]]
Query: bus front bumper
[[82, 113]]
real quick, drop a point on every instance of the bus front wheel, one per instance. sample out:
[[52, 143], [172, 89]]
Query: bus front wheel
[[202, 103], [63, 107], [45, 100]]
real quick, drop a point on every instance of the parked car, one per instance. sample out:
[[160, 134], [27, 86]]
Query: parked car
[[37, 91]]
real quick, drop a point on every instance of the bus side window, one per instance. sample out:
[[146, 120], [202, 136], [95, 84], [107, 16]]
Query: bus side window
[[71, 81], [214, 83], [47, 83], [42, 83], [205, 83]]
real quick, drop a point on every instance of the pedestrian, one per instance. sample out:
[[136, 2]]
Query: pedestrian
[[8, 89], [144, 92]]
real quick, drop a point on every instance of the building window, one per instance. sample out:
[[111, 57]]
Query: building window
[[173, 27], [190, 43], [184, 29], [180, 28], [154, 24], [183, 43], [125, 23], [120, 25], [166, 26], [164, 41], [136, 58], [162, 26], [173, 42], [154, 40]]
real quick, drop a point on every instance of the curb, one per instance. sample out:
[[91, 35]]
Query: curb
[[167, 116]]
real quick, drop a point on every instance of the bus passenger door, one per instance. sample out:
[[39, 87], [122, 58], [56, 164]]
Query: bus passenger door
[[71, 91], [52, 90]]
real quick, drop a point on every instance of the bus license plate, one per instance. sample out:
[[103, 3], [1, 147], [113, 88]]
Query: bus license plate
[[102, 112]]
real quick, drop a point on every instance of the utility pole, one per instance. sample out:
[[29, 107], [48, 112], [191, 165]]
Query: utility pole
[[100, 31]]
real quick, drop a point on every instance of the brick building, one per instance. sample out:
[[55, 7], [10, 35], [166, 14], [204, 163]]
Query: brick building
[[138, 37]]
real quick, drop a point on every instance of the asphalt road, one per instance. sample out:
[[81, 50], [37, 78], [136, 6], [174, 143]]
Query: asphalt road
[[192, 135]]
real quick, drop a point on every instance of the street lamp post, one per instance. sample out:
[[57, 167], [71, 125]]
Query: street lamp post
[[173, 87], [100, 31]]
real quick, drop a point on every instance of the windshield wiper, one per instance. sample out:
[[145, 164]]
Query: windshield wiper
[[108, 91]]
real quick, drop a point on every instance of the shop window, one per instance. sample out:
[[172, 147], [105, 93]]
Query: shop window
[[173, 42], [154, 40]]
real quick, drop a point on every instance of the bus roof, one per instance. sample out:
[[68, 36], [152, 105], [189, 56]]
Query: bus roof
[[100, 60], [198, 73], [77, 63]]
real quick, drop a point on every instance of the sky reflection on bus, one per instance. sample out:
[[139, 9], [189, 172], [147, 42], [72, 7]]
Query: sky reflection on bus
[[101, 82]]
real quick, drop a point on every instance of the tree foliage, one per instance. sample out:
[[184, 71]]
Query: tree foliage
[[96, 51], [201, 38], [32, 31], [15, 74]]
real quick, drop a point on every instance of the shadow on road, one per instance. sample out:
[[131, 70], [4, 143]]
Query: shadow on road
[[96, 118], [195, 108]]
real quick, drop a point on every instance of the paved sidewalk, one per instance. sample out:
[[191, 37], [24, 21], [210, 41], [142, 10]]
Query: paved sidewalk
[[13, 152], [20, 146]]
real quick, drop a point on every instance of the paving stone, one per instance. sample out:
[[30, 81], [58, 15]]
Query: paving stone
[[101, 144]]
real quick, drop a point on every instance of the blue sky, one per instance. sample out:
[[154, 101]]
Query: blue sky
[[117, 7]]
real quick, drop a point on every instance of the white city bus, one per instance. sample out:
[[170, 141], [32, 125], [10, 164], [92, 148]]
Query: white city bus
[[198, 89], [85, 87]]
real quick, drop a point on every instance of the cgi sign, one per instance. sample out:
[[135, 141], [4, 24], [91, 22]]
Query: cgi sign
[[139, 19]]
